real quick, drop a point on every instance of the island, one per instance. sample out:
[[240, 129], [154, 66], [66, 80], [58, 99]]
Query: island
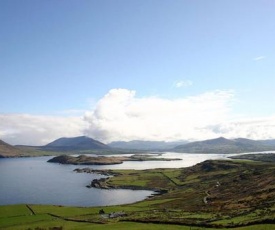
[[103, 160]]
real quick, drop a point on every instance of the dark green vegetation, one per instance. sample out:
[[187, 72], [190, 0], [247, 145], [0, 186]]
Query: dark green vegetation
[[223, 145], [267, 157], [209, 195], [102, 160]]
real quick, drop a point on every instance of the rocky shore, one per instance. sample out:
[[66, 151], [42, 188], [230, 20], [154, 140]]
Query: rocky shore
[[102, 183], [104, 172]]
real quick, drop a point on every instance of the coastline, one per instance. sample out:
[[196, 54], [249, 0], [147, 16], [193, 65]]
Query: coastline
[[102, 183]]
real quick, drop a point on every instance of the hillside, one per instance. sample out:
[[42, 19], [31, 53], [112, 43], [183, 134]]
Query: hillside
[[75, 143], [223, 145], [7, 150], [266, 157], [270, 142]]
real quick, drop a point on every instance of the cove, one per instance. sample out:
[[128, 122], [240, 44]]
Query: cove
[[34, 181]]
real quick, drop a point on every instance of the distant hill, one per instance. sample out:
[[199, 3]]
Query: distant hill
[[270, 142], [223, 145], [7, 150], [145, 145], [75, 143]]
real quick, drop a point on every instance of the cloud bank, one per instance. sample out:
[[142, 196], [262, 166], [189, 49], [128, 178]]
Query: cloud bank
[[260, 128], [122, 116], [38, 130]]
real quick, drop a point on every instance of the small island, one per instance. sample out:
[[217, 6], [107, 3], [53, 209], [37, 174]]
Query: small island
[[102, 160]]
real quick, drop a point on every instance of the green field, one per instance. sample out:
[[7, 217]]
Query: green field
[[210, 195], [55, 217]]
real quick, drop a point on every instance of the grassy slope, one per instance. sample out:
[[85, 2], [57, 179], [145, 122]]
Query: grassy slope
[[245, 193], [245, 196]]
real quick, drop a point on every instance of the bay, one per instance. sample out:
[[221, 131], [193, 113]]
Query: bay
[[35, 181]]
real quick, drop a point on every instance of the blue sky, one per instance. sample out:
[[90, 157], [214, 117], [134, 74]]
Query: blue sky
[[63, 59]]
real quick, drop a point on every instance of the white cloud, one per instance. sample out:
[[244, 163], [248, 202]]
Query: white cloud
[[183, 83], [260, 128], [120, 115], [259, 58], [38, 130]]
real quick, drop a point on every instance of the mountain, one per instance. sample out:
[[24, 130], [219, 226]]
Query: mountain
[[223, 145], [270, 142], [145, 145], [7, 150], [75, 143]]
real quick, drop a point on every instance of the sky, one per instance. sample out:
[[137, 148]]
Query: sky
[[136, 70]]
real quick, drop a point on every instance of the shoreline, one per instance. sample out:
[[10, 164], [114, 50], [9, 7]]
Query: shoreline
[[102, 183]]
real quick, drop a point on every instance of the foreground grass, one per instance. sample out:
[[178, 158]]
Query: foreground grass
[[20, 217], [210, 195]]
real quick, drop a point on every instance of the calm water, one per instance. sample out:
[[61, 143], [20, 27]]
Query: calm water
[[34, 181]]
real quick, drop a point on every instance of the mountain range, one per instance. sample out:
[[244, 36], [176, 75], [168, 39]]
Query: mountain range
[[71, 145], [145, 145], [223, 145]]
